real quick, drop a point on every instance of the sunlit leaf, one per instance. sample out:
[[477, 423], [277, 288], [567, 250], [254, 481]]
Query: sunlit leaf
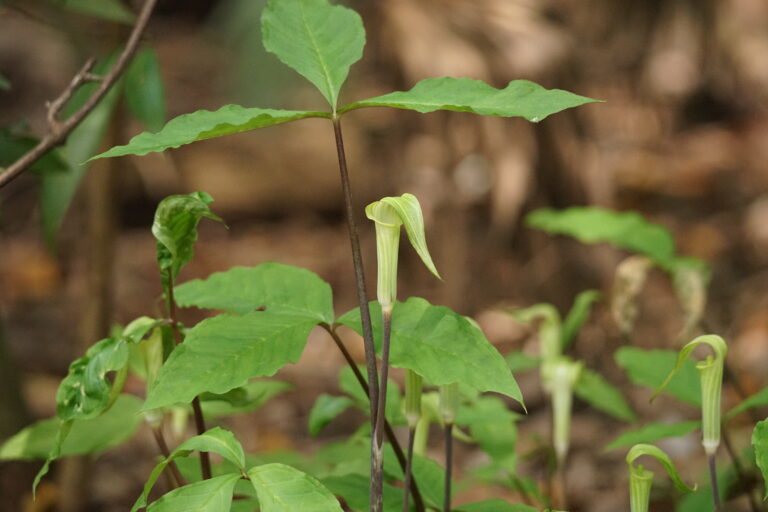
[[520, 98], [318, 40], [281, 488]]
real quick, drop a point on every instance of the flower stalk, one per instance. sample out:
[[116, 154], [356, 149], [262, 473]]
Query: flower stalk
[[413, 388]]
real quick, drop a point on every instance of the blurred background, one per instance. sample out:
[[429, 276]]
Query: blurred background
[[681, 138]]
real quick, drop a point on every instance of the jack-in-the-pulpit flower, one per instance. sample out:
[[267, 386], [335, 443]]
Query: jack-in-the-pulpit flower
[[641, 480], [560, 376]]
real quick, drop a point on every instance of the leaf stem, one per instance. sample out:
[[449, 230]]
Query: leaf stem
[[205, 459], [418, 501], [448, 466], [160, 439], [713, 479], [377, 476], [409, 469]]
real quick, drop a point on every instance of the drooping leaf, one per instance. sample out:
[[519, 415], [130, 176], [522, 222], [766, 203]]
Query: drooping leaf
[[223, 352], [318, 40], [577, 315], [273, 286], [649, 368], [95, 435], [205, 124], [86, 390], [640, 450], [691, 277], [355, 489], [58, 189], [760, 443], [214, 495], [144, 90], [175, 228], [601, 394], [441, 346], [495, 505], [243, 399], [653, 432], [13, 146], [281, 488], [112, 10], [628, 282], [325, 409], [627, 230], [757, 400], [520, 98]]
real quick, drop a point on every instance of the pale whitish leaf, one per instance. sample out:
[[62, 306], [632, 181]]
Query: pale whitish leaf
[[627, 230], [58, 189], [213, 495], [224, 352], [318, 40], [274, 286], [601, 394], [281, 488], [144, 89], [758, 399], [577, 315], [653, 432], [520, 98], [325, 409], [441, 346], [691, 278], [112, 10], [760, 443], [628, 282], [205, 124], [94, 435], [495, 505], [650, 367]]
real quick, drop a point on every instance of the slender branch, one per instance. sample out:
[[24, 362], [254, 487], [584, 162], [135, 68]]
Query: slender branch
[[377, 477], [409, 468], [160, 439], [58, 131], [448, 466], [205, 459], [713, 480], [418, 501]]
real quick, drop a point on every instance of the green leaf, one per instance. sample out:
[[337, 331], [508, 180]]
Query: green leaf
[[649, 368], [243, 399], [758, 399], [175, 227], [355, 489], [5, 84], [274, 286], [601, 394], [223, 352], [205, 124], [282, 488], [112, 10], [519, 361], [318, 40], [495, 505], [86, 390], [431, 478], [578, 315], [95, 435], [653, 432], [441, 346], [144, 90], [214, 495], [520, 98], [349, 384], [760, 443], [627, 230], [58, 189], [326, 408], [13, 146]]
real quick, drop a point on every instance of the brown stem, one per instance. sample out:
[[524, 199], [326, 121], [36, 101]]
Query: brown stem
[[409, 469], [448, 467], [418, 501], [58, 132], [160, 439], [377, 477], [713, 480]]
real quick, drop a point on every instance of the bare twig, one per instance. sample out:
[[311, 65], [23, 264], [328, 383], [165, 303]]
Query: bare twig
[[58, 131]]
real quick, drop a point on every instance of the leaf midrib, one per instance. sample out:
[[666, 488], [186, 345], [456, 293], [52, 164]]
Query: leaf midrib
[[321, 61]]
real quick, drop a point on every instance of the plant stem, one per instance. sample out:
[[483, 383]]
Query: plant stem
[[377, 476], [713, 480], [362, 292], [401, 458], [160, 439], [205, 459], [739, 468], [448, 467], [409, 469], [558, 487]]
